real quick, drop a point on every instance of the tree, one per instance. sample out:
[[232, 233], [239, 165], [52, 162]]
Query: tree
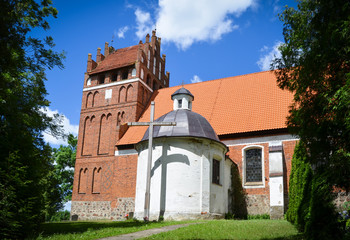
[[64, 157], [315, 66], [25, 160]]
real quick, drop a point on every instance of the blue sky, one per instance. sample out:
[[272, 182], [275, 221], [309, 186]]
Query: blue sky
[[202, 39]]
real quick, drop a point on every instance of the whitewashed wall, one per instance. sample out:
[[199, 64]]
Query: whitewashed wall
[[181, 179]]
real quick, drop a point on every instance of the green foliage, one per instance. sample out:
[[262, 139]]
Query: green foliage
[[315, 66], [238, 203], [299, 188], [26, 164], [64, 158], [311, 206], [259, 216], [60, 216], [322, 220]]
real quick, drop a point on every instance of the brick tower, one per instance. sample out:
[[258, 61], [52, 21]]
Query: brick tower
[[117, 88]]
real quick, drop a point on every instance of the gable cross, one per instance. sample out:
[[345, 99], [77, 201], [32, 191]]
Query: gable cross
[[151, 123]]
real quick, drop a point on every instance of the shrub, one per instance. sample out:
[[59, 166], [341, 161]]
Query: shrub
[[259, 216], [60, 216], [299, 188]]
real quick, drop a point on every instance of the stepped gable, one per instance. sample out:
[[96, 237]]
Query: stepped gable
[[233, 105], [119, 58]]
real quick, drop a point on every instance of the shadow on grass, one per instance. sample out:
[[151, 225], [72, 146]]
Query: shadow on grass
[[294, 237], [79, 227]]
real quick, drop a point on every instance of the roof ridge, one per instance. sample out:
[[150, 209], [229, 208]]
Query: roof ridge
[[224, 78]]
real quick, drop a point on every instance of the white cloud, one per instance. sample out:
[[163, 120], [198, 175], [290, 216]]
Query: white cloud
[[144, 23], [67, 128], [184, 22], [264, 62], [196, 79], [122, 31]]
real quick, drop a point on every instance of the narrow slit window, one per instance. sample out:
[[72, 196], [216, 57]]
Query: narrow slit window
[[216, 171]]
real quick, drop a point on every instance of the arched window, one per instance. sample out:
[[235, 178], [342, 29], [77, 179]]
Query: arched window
[[133, 72], [95, 100], [149, 59], [103, 141], [142, 73], [88, 82], [120, 118], [83, 177], [89, 100], [96, 180], [253, 164], [122, 94], [148, 80], [129, 93], [86, 138], [160, 71], [154, 65]]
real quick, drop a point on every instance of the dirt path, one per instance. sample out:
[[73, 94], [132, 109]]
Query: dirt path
[[147, 233]]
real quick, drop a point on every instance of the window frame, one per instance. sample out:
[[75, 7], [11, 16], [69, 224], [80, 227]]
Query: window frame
[[216, 163], [259, 184]]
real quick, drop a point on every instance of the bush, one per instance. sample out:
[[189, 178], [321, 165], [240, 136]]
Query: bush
[[311, 207], [259, 216], [299, 188], [60, 216]]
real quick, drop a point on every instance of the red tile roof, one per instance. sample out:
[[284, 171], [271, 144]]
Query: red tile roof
[[240, 104], [120, 58]]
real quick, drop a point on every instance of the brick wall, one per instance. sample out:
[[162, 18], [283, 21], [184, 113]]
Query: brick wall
[[258, 199]]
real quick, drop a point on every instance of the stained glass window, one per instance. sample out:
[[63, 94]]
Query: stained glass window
[[253, 165]]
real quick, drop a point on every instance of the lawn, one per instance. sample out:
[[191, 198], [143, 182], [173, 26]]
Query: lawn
[[234, 229], [214, 229], [95, 229]]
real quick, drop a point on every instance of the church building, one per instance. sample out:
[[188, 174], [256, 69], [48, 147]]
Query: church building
[[224, 124]]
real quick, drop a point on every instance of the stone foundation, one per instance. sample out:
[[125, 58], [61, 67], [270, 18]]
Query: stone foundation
[[276, 212], [258, 204], [98, 210]]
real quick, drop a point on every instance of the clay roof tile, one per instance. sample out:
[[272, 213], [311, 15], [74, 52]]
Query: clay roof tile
[[240, 104]]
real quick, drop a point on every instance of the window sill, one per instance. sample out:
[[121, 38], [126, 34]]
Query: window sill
[[253, 184]]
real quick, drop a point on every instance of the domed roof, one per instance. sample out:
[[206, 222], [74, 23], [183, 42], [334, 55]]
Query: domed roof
[[188, 124], [182, 91]]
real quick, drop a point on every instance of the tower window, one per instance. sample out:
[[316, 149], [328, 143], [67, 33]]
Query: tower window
[[179, 103], [101, 79], [216, 172], [125, 74], [114, 77], [133, 73]]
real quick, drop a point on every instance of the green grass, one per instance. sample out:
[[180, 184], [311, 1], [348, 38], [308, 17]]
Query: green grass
[[234, 229], [212, 229], [96, 229]]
